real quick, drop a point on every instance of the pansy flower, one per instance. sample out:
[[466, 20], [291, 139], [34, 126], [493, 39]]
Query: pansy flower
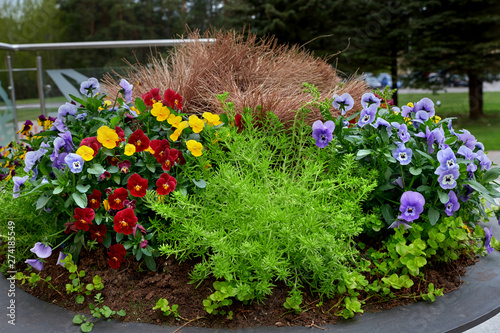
[[172, 99], [211, 119], [74, 162], [238, 120], [116, 255], [124, 221], [484, 161], [402, 154], [159, 147], [98, 232], [139, 140], [174, 120], [116, 199], [126, 90], [90, 87], [66, 109], [452, 205], [151, 97], [41, 250], [35, 263], [323, 133], [107, 137], [160, 112], [426, 105], [195, 147], [60, 259], [94, 199], [137, 185], [129, 204], [104, 175], [25, 130], [447, 160], [169, 158], [466, 153], [467, 138], [124, 166], [343, 103], [121, 134], [429, 136], [367, 115], [448, 178], [91, 142], [369, 99], [129, 149], [166, 184], [182, 125], [83, 218], [196, 123], [85, 152], [18, 182], [412, 205], [382, 122]]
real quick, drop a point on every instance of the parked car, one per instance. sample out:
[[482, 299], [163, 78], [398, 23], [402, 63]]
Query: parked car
[[456, 80], [372, 81]]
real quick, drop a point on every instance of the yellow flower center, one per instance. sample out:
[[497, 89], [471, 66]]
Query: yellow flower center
[[137, 187]]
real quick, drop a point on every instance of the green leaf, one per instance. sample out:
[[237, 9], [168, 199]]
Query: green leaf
[[387, 213], [150, 263], [121, 313], [58, 190], [112, 169], [363, 153], [80, 199], [147, 251], [433, 215], [491, 175], [79, 299], [415, 171], [82, 188], [96, 169], [77, 319], [151, 167], [114, 121], [119, 237], [429, 157], [107, 152], [200, 183], [443, 197], [481, 189], [78, 100], [140, 105], [87, 327], [42, 201]]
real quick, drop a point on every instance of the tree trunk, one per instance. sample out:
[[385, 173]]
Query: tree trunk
[[394, 74], [475, 96]]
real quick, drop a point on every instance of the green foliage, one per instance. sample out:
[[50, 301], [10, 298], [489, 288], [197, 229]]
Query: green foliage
[[167, 310], [294, 301], [98, 311], [76, 285], [33, 280], [221, 297], [275, 208]]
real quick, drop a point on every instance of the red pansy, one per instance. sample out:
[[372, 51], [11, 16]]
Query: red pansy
[[168, 159], [166, 184], [113, 160], [124, 221], [159, 146], [116, 255], [121, 133], [104, 175], [116, 199], [98, 232], [94, 199], [239, 122], [124, 166], [180, 160], [92, 143], [172, 99], [151, 97], [139, 140], [70, 227], [83, 218], [137, 185]]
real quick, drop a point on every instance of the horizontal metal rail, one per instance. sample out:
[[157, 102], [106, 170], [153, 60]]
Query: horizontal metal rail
[[101, 44]]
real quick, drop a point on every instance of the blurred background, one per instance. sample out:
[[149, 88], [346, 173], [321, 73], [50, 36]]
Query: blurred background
[[447, 50]]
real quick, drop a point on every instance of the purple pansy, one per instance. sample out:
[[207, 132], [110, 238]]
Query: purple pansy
[[429, 136], [68, 141], [18, 182], [60, 259], [421, 117], [447, 160], [479, 145], [91, 86], [402, 154], [369, 99], [75, 162], [398, 223], [488, 233], [484, 161], [412, 204], [35, 263], [81, 116], [468, 192], [41, 250], [452, 205], [323, 133], [382, 122], [32, 157], [127, 90], [406, 111], [66, 109], [59, 163], [466, 153], [367, 116], [468, 139], [343, 103], [427, 105], [448, 178], [403, 134], [398, 181], [439, 137], [58, 124]]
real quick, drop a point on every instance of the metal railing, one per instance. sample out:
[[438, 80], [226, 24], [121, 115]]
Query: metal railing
[[74, 46]]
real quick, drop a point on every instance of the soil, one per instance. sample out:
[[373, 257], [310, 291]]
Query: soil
[[136, 289]]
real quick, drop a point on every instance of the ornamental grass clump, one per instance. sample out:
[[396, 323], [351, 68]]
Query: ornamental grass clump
[[255, 72]]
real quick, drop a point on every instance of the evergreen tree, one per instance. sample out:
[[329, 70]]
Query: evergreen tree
[[457, 36]]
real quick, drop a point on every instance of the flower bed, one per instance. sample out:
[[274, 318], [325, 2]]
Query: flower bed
[[327, 219]]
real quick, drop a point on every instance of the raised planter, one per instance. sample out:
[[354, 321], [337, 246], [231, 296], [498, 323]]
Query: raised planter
[[476, 301]]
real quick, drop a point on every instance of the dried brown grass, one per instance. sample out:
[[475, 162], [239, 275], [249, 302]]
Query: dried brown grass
[[254, 72]]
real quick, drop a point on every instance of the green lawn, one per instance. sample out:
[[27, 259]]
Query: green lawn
[[486, 130]]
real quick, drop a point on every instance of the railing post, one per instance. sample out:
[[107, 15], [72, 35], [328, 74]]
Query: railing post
[[39, 76], [12, 94]]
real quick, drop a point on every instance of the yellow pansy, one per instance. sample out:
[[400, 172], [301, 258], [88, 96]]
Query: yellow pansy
[[196, 123], [129, 149], [160, 112], [174, 120], [107, 137], [175, 136], [194, 147], [150, 150], [133, 108], [106, 104], [410, 104], [436, 119], [86, 153], [105, 203], [211, 119]]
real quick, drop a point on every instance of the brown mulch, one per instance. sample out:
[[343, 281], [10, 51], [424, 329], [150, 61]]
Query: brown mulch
[[136, 289]]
